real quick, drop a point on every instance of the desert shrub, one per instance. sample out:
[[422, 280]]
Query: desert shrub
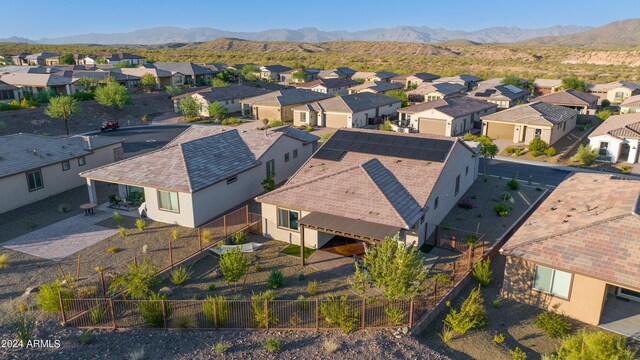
[[465, 203], [86, 338], [509, 150], [233, 265], [96, 313], [595, 345], [151, 311], [140, 224], [64, 208], [137, 282], [518, 354], [442, 279], [482, 272], [47, 296], [301, 277], [501, 209], [257, 267], [276, 123], [139, 354], [275, 279], [312, 288], [337, 312], [86, 292], [330, 346], [447, 334], [175, 235], [518, 152], [302, 303], [117, 217], [184, 321], [537, 144], [272, 345], [553, 324], [221, 309], [498, 338], [308, 128], [23, 324], [221, 347], [513, 184], [586, 155], [497, 303], [534, 153], [113, 250], [179, 275], [206, 235], [326, 136], [230, 121], [122, 231], [100, 268], [625, 169], [551, 151], [472, 314], [239, 238], [395, 315], [211, 287], [505, 196], [471, 239], [603, 114], [4, 260], [257, 305], [385, 126]]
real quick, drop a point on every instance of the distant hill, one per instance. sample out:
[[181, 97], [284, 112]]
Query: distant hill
[[417, 34], [624, 33]]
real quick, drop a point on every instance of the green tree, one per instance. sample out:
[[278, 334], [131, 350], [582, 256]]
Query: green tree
[[123, 64], [512, 80], [594, 345], [227, 75], [299, 76], [67, 59], [62, 107], [250, 72], [189, 107], [233, 265], [217, 82], [487, 148], [113, 95], [603, 114], [137, 282], [385, 126], [574, 83], [586, 155], [87, 83], [148, 81], [101, 60], [398, 94], [217, 110]]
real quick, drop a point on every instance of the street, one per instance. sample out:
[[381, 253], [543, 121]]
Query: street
[[539, 174]]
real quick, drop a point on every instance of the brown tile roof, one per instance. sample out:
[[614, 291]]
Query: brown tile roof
[[445, 88], [328, 83], [286, 97], [455, 106], [377, 86], [569, 97], [537, 113], [631, 102], [351, 103], [588, 225], [613, 85], [547, 82], [625, 126]]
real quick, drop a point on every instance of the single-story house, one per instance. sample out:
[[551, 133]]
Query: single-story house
[[331, 86], [163, 77], [34, 83], [9, 93], [573, 99], [120, 58], [207, 170], [272, 72], [128, 81], [546, 86], [42, 59], [228, 96], [341, 72], [523, 123], [468, 81], [451, 116], [578, 252], [278, 105], [35, 167], [618, 139], [616, 92], [415, 79], [20, 59], [194, 74], [366, 185], [499, 81], [369, 76], [630, 105], [355, 110], [377, 87], [432, 91], [310, 74], [503, 95]]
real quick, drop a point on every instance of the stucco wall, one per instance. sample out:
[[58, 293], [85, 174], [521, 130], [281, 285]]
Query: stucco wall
[[615, 145]]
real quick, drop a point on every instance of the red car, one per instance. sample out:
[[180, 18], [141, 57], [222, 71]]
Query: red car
[[109, 125]]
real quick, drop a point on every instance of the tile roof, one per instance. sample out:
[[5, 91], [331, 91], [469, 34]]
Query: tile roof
[[275, 68], [5, 87], [445, 88], [460, 78], [424, 76], [23, 152], [286, 97], [352, 103], [38, 80], [226, 93], [329, 83], [631, 102], [139, 72], [185, 68], [100, 75], [588, 225], [341, 71], [369, 74], [363, 185], [537, 113], [626, 126], [499, 92], [378, 86], [455, 106], [569, 97], [613, 85], [547, 82]]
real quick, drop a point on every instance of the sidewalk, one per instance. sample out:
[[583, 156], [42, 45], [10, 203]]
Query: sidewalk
[[561, 167]]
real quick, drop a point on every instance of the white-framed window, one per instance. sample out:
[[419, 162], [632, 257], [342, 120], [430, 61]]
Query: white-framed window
[[168, 201], [232, 179], [288, 219], [82, 161], [604, 148], [552, 281], [66, 165], [538, 132], [34, 180], [303, 117]]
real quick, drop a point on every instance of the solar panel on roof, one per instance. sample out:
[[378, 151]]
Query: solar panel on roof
[[513, 89]]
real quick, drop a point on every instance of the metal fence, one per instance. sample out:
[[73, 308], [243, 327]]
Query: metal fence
[[455, 239]]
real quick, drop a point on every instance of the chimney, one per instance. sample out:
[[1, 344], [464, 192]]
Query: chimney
[[87, 139]]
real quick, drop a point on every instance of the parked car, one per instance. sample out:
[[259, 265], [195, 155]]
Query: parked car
[[109, 125]]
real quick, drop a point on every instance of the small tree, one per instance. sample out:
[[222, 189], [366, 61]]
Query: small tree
[[87, 83], [250, 72], [586, 155], [67, 59], [217, 110], [233, 265], [173, 90], [217, 82], [299, 76], [603, 114], [574, 83], [595, 345], [101, 60], [189, 107], [398, 94], [605, 103], [472, 314], [113, 95], [62, 107], [137, 282], [148, 81], [385, 126], [537, 146], [487, 148], [227, 75]]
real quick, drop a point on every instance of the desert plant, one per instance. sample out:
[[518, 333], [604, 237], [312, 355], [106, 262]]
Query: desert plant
[[100, 268], [179, 275], [4, 260], [534, 153], [625, 169], [122, 231], [472, 314], [603, 114], [275, 279], [308, 128], [505, 196], [518, 152], [86, 338], [442, 279], [509, 150], [586, 155], [260, 314], [211, 287], [257, 267], [62, 107], [275, 123], [272, 345], [221, 347], [497, 303], [117, 217], [538, 145], [551, 151], [269, 183], [139, 354], [47, 297], [221, 309], [175, 235], [312, 288], [302, 303], [501, 209], [513, 184], [233, 265], [325, 137], [330, 346], [184, 321], [151, 310], [239, 238], [96, 313], [23, 324], [553, 324], [498, 338], [595, 345], [338, 313], [113, 250], [482, 272], [465, 203], [145, 248], [395, 315], [447, 334], [206, 235], [86, 292], [137, 282], [385, 126], [64, 208], [140, 224], [471, 239], [301, 277], [518, 354]]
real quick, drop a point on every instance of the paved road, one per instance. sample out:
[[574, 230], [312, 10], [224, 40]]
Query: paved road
[[539, 174], [142, 140]]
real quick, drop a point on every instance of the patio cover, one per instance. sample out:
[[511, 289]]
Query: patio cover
[[353, 228]]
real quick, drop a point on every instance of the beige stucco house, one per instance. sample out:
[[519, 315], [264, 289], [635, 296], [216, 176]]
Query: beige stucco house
[[35, 167], [618, 139], [466, 80], [578, 253], [207, 170], [376, 87], [329, 86], [503, 95], [616, 92], [546, 86], [9, 93], [272, 72], [278, 105], [630, 105], [431, 92], [228, 96], [523, 123], [34, 83], [414, 79], [573, 99], [370, 76], [163, 78]]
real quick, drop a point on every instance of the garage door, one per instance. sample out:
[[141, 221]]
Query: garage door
[[335, 121], [433, 126], [500, 131]]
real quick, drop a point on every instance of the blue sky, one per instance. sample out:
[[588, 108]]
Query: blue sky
[[41, 18]]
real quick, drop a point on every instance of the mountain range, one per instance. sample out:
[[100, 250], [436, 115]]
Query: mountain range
[[417, 34], [623, 33]]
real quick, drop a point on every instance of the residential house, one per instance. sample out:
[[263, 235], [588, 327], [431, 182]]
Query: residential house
[[451, 116], [20, 59], [163, 78], [355, 110], [341, 72], [573, 99], [616, 92], [362, 186], [272, 72], [468, 81], [207, 170], [128, 81], [194, 74], [415, 79], [368, 76], [630, 105], [4, 60], [121, 58], [35, 167], [618, 139], [278, 105], [546, 86], [310, 75], [228, 96], [9, 93], [83, 59], [376, 87], [525, 122], [330, 86], [431, 92], [34, 83], [503, 95], [523, 83], [578, 253], [42, 59]]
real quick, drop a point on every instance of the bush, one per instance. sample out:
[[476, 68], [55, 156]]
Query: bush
[[330, 346], [113, 250], [447, 334], [505, 196], [537, 144], [509, 150], [139, 354], [472, 314], [230, 121], [550, 151], [553, 324], [482, 272], [625, 169], [122, 231], [272, 345], [498, 338], [117, 217], [385, 126], [239, 238], [137, 282], [140, 224], [23, 324], [395, 315], [184, 321], [518, 354], [175, 235], [603, 114], [337, 312], [586, 155], [326, 136], [513, 184], [471, 239], [501, 210], [64, 208], [179, 275], [151, 311], [275, 279], [308, 128], [605, 103], [86, 338], [497, 303], [233, 265], [595, 345], [257, 305], [221, 347], [47, 296], [276, 123], [4, 260], [518, 152], [206, 235], [312, 288], [86, 292], [257, 267], [465, 203], [534, 153], [96, 313], [83, 96], [221, 307]]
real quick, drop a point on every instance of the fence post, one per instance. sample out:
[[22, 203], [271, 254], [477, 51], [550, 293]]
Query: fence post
[[64, 316], [411, 314], [224, 223], [435, 293], [104, 287], [199, 240], [215, 314], [435, 235], [453, 275], [164, 314], [247, 213], [317, 314], [470, 250], [78, 270], [266, 313], [170, 254], [113, 314], [363, 312]]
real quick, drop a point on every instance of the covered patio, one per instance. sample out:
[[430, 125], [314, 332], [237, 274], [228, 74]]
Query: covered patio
[[621, 316]]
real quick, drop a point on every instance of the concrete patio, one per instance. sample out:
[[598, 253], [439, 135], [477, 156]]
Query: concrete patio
[[622, 317]]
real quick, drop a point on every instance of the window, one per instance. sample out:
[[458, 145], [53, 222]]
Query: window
[[82, 161], [34, 180], [271, 168], [619, 95], [538, 132], [457, 184], [286, 157], [295, 153], [168, 200], [604, 148], [303, 117], [552, 281], [466, 170], [232, 179], [288, 219], [435, 203], [66, 165]]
